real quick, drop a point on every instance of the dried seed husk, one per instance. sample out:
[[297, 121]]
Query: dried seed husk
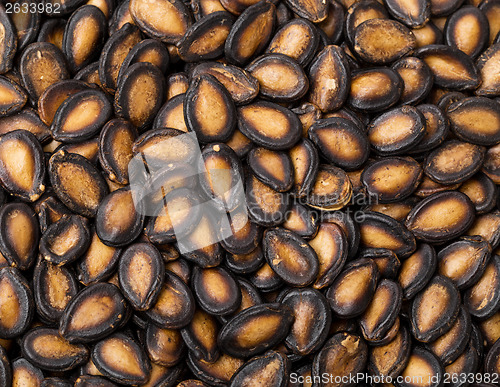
[[46, 349], [121, 359], [114, 53], [164, 346], [414, 14], [312, 320], [209, 110], [271, 369], [167, 21], [382, 41], [332, 189], [54, 287], [52, 31], [93, 381], [381, 231], [392, 179], [23, 372], [436, 128], [19, 235], [240, 84], [452, 68], [17, 307], [482, 300], [5, 368], [218, 373], [245, 263], [21, 151], [302, 221], [386, 260], [441, 217], [429, 187], [491, 361], [14, 97], [140, 93], [98, 262], [239, 235], [141, 271], [486, 65], [255, 330], [77, 183], [360, 11], [417, 78], [491, 165], [273, 168], [329, 78], [205, 39], [342, 355], [41, 65], [174, 307], [481, 190], [422, 364], [449, 346], [476, 120], [417, 270], [84, 36], [290, 257], [9, 44], [81, 116], [487, 226], [28, 120], [435, 309], [298, 39], [468, 361], [94, 313], [200, 336], [260, 16], [333, 25], [280, 77], [305, 160], [346, 296], [202, 8], [375, 89]]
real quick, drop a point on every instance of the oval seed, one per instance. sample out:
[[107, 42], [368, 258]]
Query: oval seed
[[486, 64], [312, 320], [358, 12], [93, 313], [171, 114], [245, 263], [218, 372], [392, 179], [434, 309], [332, 189], [164, 346], [160, 19], [441, 217], [414, 14], [9, 42], [297, 39], [452, 68], [280, 77], [487, 226], [52, 31], [46, 349], [242, 86], [340, 141], [396, 130], [121, 359], [436, 128], [240, 235], [77, 182], [374, 89], [21, 151], [81, 116], [271, 369], [19, 235], [382, 41], [417, 78], [205, 39], [16, 303], [476, 120], [290, 257], [483, 298], [242, 42], [302, 221], [28, 120], [305, 161], [140, 94], [200, 336], [390, 360], [84, 36], [481, 191], [344, 354], [42, 64], [140, 272], [13, 97], [255, 329], [273, 168], [422, 365], [417, 270], [353, 289], [174, 307], [23, 372], [209, 110], [329, 78]]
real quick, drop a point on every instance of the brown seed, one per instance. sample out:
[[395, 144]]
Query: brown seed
[[9, 42], [382, 41], [486, 64], [46, 349], [121, 359], [218, 372], [271, 369], [414, 14], [305, 160], [77, 182], [28, 120], [17, 307], [245, 263], [239, 235], [417, 78], [353, 289], [435, 309], [273, 168], [417, 270], [161, 19], [255, 329], [171, 114], [487, 226], [164, 346], [422, 364], [456, 214], [332, 189], [436, 128], [329, 77], [481, 191], [358, 12], [200, 336], [21, 151], [93, 313], [387, 262], [491, 9], [23, 372]]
